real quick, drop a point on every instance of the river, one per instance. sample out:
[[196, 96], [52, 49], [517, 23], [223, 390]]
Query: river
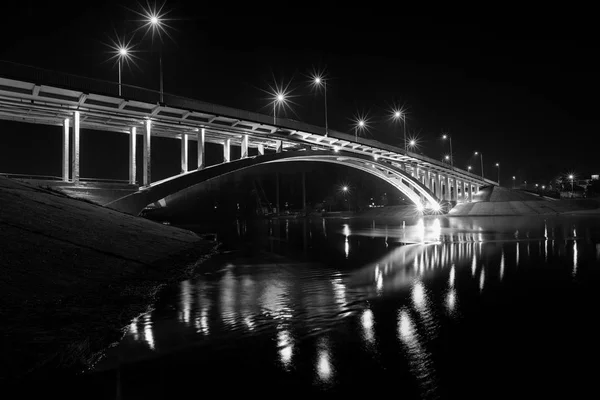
[[430, 308]]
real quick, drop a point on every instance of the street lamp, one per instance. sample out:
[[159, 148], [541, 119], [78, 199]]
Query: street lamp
[[319, 81], [446, 136], [469, 168], [400, 115], [360, 123], [571, 178], [447, 157], [412, 143], [514, 178], [279, 101], [123, 54], [481, 157], [498, 166]]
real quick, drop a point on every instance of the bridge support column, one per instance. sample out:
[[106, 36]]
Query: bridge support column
[[454, 189], [184, 153], [146, 155], [261, 149], [132, 161], [75, 160], [278, 146], [65, 151], [201, 158], [227, 150], [448, 192], [278, 212], [244, 146], [304, 192]]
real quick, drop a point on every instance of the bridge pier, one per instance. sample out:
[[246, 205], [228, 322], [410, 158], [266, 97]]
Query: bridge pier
[[244, 153], [261, 149], [184, 153], [201, 158], [65, 151], [132, 160], [227, 150], [146, 154], [75, 160], [278, 212]]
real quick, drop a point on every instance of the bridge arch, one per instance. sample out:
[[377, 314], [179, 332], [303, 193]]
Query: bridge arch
[[401, 180]]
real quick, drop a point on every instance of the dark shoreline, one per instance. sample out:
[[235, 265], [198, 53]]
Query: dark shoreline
[[99, 321]]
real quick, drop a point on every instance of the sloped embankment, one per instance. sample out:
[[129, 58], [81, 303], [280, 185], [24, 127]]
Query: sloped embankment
[[73, 273], [503, 202]]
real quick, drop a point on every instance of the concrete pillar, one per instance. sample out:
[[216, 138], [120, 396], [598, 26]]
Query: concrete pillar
[[75, 160], [146, 150], [454, 192], [184, 153], [278, 146], [201, 158], [261, 149], [65, 151], [227, 150], [244, 146], [277, 193], [465, 188], [304, 192], [132, 161]]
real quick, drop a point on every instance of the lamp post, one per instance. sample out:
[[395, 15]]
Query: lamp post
[[498, 166], [156, 24], [122, 55], [319, 81], [571, 178], [360, 124], [481, 157], [279, 100], [345, 191], [399, 115], [449, 138]]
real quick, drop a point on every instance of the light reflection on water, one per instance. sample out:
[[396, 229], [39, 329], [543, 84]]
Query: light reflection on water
[[314, 309]]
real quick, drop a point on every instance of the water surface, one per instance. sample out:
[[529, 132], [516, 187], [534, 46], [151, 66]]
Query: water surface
[[434, 308]]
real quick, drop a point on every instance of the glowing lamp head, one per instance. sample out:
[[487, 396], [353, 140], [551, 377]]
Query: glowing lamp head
[[345, 188], [497, 164], [280, 97], [435, 206], [318, 80], [445, 137], [420, 207], [413, 143], [514, 177], [154, 20], [397, 114], [476, 153], [123, 51], [570, 176], [469, 168], [361, 123], [447, 157]]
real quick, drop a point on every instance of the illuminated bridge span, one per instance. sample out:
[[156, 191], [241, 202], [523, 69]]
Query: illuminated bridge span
[[38, 96]]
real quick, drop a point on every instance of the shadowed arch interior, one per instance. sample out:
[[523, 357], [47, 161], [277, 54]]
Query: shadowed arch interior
[[413, 189]]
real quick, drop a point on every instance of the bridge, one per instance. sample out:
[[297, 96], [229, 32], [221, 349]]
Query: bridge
[[33, 95]]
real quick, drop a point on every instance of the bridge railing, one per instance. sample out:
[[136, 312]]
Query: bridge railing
[[40, 76]]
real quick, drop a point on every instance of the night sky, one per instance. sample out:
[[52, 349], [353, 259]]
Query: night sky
[[525, 93]]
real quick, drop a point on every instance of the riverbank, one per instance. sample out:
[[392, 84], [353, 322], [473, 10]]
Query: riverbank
[[74, 274]]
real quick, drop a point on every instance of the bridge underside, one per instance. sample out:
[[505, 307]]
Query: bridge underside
[[407, 185]]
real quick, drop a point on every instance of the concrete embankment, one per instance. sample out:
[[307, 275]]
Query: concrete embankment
[[73, 274], [505, 202]]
